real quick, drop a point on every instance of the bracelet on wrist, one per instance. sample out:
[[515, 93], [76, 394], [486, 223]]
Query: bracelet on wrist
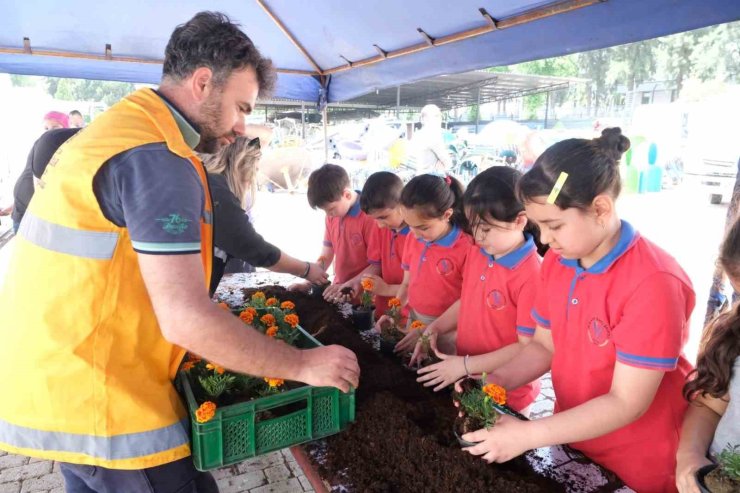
[[308, 269], [465, 364]]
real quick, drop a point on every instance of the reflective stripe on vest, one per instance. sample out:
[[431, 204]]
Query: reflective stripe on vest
[[128, 446], [88, 244]]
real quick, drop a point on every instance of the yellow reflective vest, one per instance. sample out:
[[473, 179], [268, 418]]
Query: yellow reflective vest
[[85, 373]]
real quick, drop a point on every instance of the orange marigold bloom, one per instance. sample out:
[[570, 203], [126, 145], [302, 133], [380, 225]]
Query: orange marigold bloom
[[394, 302], [271, 302], [216, 368], [246, 316], [496, 392], [274, 382], [259, 295], [287, 305], [271, 331], [292, 320], [224, 306], [188, 365], [367, 284], [417, 324], [205, 412], [268, 319]]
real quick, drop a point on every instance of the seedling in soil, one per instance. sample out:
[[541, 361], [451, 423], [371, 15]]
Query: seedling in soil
[[725, 478], [477, 409], [390, 334]]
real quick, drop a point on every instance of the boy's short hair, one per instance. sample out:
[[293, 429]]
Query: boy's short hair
[[326, 185], [382, 190]]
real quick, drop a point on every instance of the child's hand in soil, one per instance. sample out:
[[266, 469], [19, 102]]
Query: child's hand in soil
[[444, 373], [334, 293], [420, 354], [508, 438], [686, 467], [383, 322], [408, 343]]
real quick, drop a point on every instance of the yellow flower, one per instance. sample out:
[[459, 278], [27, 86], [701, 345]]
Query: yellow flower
[[417, 324], [271, 331], [287, 305], [394, 303], [274, 382], [216, 368], [496, 392], [259, 295], [268, 319], [205, 412], [292, 320], [271, 302], [367, 284], [224, 306], [188, 365]]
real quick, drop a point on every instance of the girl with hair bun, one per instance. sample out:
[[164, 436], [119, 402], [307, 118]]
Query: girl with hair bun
[[612, 312]]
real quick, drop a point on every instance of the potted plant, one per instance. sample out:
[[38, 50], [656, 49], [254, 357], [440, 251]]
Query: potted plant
[[723, 477], [362, 314], [477, 407], [390, 334]]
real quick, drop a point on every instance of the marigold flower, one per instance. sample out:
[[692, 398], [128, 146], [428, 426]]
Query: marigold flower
[[246, 316], [367, 284], [417, 324], [216, 368], [274, 382], [272, 331], [496, 392], [251, 310], [259, 295], [268, 319], [271, 302], [224, 306], [205, 412], [292, 320], [188, 365], [394, 303], [287, 305]]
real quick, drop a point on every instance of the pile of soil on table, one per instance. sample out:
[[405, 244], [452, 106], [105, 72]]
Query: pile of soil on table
[[402, 440]]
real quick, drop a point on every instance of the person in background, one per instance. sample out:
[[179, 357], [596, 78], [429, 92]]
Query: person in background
[[55, 119], [76, 120], [232, 176], [429, 153], [41, 152]]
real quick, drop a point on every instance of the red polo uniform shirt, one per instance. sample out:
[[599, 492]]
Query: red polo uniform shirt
[[349, 236], [436, 270], [386, 250], [632, 306], [496, 305]]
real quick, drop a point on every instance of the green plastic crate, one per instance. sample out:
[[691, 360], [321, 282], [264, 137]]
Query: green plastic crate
[[234, 434]]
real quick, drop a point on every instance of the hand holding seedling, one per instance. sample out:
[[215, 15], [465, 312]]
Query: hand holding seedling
[[508, 439], [444, 373]]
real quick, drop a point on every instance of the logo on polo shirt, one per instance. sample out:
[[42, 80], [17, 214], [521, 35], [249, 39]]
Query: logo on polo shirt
[[174, 224], [356, 239], [445, 266], [599, 332], [496, 300]]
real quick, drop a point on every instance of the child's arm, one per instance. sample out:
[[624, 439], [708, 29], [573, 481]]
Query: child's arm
[[447, 322], [699, 425], [630, 396]]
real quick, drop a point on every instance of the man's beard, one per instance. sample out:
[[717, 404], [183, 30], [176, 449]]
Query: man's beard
[[211, 115]]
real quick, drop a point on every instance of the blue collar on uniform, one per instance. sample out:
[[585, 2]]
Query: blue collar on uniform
[[354, 211], [403, 231], [446, 241], [512, 259], [627, 238]]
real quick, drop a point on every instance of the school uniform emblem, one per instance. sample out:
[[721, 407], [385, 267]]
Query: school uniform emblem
[[496, 300], [599, 332], [445, 266], [356, 239]]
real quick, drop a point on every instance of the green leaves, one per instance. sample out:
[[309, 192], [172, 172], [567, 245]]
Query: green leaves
[[729, 461]]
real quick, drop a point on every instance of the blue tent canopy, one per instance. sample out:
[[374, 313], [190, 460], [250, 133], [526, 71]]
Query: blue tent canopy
[[353, 47]]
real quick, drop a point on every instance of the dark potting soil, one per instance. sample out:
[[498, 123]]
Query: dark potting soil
[[402, 440], [718, 482]]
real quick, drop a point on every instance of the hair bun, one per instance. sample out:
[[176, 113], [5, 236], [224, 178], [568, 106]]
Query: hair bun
[[613, 142]]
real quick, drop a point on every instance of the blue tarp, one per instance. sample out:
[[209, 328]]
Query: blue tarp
[[330, 28]]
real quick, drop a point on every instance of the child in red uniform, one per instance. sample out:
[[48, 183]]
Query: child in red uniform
[[612, 313], [381, 200], [434, 261], [348, 229], [712, 421], [493, 316]]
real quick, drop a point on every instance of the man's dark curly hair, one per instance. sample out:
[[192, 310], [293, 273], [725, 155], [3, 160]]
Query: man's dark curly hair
[[211, 40]]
